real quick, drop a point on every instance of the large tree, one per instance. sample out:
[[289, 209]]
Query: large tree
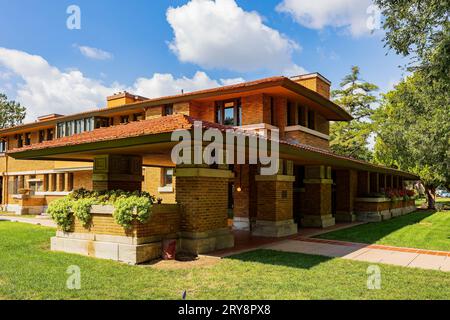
[[356, 96], [11, 112], [421, 30], [413, 131]]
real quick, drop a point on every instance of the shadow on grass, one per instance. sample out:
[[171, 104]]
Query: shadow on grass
[[278, 258], [372, 232]]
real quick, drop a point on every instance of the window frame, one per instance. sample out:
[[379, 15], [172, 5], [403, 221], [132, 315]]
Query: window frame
[[220, 107]]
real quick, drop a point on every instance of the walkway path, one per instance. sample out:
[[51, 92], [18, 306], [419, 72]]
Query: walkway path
[[46, 222], [405, 257]]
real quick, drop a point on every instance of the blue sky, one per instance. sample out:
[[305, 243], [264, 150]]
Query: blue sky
[[137, 45]]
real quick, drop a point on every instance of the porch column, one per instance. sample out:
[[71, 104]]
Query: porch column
[[346, 192], [117, 172], [51, 182], [244, 196], [203, 195], [67, 182], [60, 182], [275, 203], [316, 205]]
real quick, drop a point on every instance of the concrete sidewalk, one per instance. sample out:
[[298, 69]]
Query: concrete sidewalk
[[405, 257], [46, 222]]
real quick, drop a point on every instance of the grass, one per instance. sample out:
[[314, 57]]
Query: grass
[[443, 201], [28, 270], [422, 230]]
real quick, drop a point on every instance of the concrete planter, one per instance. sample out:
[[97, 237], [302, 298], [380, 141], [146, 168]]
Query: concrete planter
[[105, 239]]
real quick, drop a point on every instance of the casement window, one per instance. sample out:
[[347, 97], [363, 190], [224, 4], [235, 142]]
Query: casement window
[[229, 112], [19, 139], [272, 111], [291, 121], [167, 110], [101, 122], [124, 119], [27, 139], [138, 117], [167, 177], [79, 126], [41, 136], [2, 146], [311, 120], [69, 128], [301, 115], [50, 134]]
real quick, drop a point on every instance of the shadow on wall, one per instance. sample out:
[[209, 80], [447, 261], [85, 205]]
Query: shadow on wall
[[277, 258]]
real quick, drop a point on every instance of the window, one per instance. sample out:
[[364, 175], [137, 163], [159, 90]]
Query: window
[[124, 119], [89, 124], [290, 114], [2, 146], [138, 117], [60, 129], [79, 126], [27, 139], [101, 122], [167, 177], [272, 111], [301, 115], [70, 128], [19, 141], [311, 120], [50, 134], [41, 136], [168, 110], [229, 113]]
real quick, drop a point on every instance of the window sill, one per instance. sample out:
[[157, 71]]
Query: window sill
[[167, 189]]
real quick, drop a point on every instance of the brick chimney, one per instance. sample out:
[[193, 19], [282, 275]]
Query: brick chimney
[[315, 82], [123, 98]]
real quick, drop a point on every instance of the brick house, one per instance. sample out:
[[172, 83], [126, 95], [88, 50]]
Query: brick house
[[127, 145]]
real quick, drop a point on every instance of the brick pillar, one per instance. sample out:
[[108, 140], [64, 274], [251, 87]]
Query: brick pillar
[[275, 203], [244, 196], [117, 172], [363, 183], [203, 194], [316, 205], [346, 192]]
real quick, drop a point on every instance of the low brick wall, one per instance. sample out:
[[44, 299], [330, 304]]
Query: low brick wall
[[165, 220], [378, 209]]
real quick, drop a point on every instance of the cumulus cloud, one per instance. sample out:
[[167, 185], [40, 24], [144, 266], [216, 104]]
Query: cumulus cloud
[[94, 53], [45, 89], [318, 14], [219, 34]]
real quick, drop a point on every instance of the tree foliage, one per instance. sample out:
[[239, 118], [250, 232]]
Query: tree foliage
[[11, 112], [420, 29], [413, 130], [356, 96]]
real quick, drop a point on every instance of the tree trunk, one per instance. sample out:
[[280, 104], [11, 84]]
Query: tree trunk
[[431, 196]]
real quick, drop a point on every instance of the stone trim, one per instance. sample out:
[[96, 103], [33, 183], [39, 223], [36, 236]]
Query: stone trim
[[307, 130], [39, 172], [167, 189], [275, 178], [274, 229], [203, 172], [377, 200], [52, 193], [318, 181], [316, 221]]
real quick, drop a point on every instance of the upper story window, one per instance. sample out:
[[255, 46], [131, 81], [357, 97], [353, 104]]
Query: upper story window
[[272, 111], [2, 146], [229, 112], [138, 117], [101, 122], [41, 136], [168, 110], [291, 115], [27, 139], [124, 119], [311, 120], [50, 134], [19, 139], [69, 128], [301, 115]]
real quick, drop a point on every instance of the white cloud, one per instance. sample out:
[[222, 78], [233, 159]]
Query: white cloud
[[318, 14], [94, 53], [45, 89], [220, 34]]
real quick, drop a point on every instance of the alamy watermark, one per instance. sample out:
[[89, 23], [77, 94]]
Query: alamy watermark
[[74, 280], [237, 147], [373, 22], [73, 22], [374, 277]]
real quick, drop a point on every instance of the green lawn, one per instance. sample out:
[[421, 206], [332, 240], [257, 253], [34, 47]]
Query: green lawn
[[28, 270], [421, 229]]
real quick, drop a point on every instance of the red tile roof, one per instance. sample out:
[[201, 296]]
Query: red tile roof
[[166, 125]]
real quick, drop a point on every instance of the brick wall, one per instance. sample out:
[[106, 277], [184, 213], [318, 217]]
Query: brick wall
[[204, 203], [316, 200], [152, 181], [372, 206], [82, 179], [274, 199], [309, 139], [165, 220]]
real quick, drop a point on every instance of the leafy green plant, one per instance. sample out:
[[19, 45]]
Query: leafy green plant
[[127, 209], [82, 210], [61, 212]]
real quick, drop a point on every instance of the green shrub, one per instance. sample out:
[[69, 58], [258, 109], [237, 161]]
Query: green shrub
[[61, 212], [82, 210], [129, 208]]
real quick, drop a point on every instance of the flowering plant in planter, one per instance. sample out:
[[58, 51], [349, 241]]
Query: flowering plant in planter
[[129, 206]]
